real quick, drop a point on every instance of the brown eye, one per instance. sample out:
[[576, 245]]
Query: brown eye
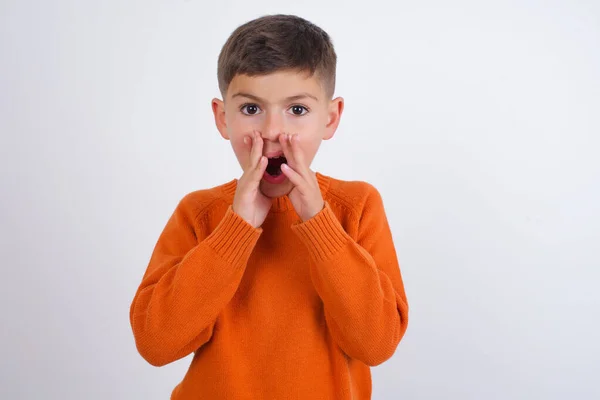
[[299, 110], [250, 109]]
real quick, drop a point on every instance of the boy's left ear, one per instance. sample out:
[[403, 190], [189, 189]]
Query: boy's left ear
[[334, 113]]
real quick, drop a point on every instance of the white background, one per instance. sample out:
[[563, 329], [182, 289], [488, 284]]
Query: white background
[[479, 123]]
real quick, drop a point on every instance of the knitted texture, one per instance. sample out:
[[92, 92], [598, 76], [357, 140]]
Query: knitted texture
[[290, 310]]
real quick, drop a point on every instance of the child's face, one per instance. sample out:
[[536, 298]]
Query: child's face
[[281, 102]]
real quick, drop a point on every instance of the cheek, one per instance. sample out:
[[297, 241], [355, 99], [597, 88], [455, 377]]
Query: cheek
[[309, 148], [310, 132], [237, 129], [237, 123], [236, 126], [309, 129], [242, 153], [237, 144]]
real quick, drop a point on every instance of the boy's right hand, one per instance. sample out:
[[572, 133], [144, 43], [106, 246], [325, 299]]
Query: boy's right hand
[[249, 202]]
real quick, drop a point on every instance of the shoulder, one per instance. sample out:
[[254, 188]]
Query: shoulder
[[353, 195], [198, 203]]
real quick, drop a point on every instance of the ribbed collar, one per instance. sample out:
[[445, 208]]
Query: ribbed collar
[[282, 203]]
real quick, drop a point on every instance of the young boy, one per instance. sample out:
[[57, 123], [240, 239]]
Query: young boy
[[284, 283]]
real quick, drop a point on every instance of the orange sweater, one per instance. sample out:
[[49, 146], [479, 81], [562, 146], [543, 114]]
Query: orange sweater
[[290, 310]]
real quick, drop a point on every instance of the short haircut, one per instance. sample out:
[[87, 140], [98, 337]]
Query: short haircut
[[274, 43]]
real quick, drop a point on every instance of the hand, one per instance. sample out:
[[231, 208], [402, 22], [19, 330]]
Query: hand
[[249, 202], [306, 194]]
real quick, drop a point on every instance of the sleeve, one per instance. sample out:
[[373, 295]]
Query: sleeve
[[359, 281], [187, 284]]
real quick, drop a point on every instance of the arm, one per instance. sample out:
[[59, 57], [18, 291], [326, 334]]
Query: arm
[[187, 284], [359, 281]]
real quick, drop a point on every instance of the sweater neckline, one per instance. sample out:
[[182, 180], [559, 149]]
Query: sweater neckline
[[281, 203]]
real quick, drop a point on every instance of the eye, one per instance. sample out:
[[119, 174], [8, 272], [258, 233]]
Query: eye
[[251, 109], [298, 110]]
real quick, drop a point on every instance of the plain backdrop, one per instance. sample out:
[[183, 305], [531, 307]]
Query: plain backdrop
[[478, 122]]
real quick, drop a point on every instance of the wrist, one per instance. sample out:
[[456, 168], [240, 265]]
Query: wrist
[[313, 214]]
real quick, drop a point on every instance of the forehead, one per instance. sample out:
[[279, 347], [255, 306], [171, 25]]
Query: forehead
[[277, 86]]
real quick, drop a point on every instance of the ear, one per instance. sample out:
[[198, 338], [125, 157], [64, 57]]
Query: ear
[[218, 108], [334, 114]]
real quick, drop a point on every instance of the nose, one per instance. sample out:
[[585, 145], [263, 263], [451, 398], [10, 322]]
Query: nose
[[272, 127]]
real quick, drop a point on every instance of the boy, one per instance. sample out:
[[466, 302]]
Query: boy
[[285, 283]]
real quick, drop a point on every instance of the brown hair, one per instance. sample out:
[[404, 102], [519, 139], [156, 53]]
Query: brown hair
[[277, 42]]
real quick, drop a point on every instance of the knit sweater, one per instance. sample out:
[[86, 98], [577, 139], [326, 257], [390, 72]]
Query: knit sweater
[[290, 310]]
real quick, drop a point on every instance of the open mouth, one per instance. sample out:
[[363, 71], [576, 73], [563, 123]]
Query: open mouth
[[274, 166]]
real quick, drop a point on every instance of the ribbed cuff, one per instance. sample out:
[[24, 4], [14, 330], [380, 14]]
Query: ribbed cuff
[[322, 234], [234, 238]]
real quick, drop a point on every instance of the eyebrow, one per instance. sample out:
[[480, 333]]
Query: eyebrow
[[287, 99]]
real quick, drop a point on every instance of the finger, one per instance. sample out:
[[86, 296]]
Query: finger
[[259, 147], [296, 179], [287, 150], [256, 151], [298, 155], [250, 143], [249, 146], [259, 170], [295, 155]]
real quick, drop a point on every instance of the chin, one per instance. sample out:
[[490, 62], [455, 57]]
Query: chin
[[272, 191]]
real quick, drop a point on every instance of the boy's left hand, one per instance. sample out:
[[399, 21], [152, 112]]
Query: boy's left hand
[[306, 195]]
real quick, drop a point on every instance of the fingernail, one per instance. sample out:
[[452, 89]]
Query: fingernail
[[245, 139]]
